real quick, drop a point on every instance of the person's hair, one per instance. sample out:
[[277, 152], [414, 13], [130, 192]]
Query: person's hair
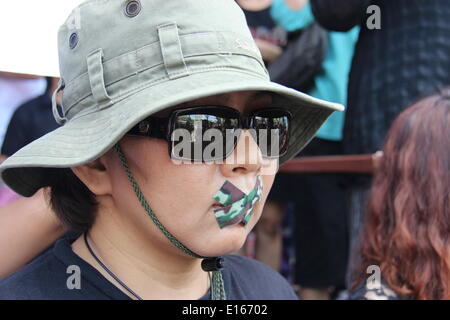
[[407, 225], [74, 204]]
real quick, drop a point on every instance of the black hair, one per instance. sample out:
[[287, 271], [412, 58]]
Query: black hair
[[74, 204]]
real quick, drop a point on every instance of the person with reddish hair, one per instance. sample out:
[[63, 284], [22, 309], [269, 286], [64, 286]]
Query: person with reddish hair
[[407, 228]]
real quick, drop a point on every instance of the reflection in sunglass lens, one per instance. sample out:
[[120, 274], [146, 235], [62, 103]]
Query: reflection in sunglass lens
[[272, 132]]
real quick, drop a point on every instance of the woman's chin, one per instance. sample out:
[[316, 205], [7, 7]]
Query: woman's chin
[[229, 240]]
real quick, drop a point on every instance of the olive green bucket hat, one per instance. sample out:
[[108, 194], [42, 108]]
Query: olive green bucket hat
[[121, 61]]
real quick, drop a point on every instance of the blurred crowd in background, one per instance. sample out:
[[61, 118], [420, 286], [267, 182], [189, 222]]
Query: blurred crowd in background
[[380, 59]]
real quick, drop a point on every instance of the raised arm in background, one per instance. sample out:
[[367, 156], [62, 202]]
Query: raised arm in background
[[27, 227]]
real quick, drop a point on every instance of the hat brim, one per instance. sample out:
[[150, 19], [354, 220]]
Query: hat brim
[[90, 134]]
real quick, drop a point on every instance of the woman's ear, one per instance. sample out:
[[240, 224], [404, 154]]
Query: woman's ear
[[95, 176]]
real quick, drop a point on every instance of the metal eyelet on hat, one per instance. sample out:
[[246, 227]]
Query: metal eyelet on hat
[[133, 8], [73, 40]]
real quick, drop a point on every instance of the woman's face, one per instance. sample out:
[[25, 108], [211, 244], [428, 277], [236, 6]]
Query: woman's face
[[181, 195]]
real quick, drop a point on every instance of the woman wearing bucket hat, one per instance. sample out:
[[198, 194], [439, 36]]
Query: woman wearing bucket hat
[[139, 79]]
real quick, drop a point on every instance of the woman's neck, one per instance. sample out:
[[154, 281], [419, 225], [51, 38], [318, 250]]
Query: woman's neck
[[152, 268]]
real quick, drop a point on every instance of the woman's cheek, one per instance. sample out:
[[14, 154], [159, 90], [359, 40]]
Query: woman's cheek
[[267, 185]]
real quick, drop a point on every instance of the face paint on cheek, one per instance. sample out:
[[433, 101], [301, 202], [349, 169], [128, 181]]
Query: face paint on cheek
[[238, 207]]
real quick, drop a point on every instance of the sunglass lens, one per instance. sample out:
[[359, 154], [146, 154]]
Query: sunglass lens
[[272, 127], [203, 136]]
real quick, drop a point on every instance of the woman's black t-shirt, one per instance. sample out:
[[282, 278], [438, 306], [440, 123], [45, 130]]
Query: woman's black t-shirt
[[47, 278]]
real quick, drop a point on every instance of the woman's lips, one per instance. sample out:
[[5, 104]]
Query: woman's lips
[[218, 206]]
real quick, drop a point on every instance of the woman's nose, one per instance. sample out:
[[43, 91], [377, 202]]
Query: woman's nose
[[246, 157]]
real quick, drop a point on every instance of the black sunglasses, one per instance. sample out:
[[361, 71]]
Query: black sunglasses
[[211, 133]]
